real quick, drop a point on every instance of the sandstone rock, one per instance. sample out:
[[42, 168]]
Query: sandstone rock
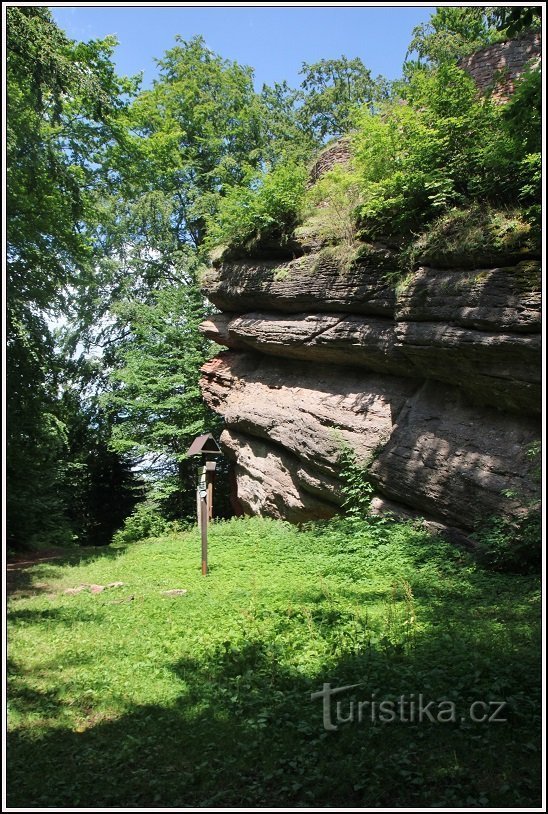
[[314, 282], [503, 370], [500, 299], [455, 461], [216, 329], [268, 483], [308, 410], [347, 340], [383, 507], [432, 450]]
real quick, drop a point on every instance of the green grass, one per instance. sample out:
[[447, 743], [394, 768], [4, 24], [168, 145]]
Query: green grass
[[130, 698], [474, 237]]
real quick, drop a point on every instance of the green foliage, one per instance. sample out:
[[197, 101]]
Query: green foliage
[[523, 111], [146, 520], [534, 453], [154, 397], [98, 486], [471, 236], [155, 393], [357, 489], [265, 208], [64, 100], [512, 20], [451, 32], [333, 90], [514, 544], [511, 545], [206, 696], [329, 208], [285, 134], [523, 121], [195, 132], [441, 148]]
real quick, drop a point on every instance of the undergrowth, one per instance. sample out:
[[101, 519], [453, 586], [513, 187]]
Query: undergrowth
[[131, 697]]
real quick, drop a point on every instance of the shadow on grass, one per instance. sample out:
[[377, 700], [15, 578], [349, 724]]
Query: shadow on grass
[[247, 733], [28, 577], [52, 616]]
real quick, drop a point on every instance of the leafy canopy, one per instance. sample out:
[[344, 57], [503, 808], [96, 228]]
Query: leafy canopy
[[332, 91], [63, 100]]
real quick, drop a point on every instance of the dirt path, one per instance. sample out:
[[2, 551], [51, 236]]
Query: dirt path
[[17, 581], [18, 564]]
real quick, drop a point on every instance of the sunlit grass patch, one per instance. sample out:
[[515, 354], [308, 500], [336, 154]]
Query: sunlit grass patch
[[204, 699]]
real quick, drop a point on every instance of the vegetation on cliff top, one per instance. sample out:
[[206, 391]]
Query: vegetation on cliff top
[[437, 155]]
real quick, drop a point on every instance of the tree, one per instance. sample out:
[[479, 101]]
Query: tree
[[191, 139], [98, 485], [154, 394], [183, 144], [195, 132], [63, 99], [451, 32], [446, 148], [333, 89], [455, 31], [285, 133], [512, 20]]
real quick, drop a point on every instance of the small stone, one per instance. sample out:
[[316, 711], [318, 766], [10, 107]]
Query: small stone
[[76, 590], [96, 589], [175, 592], [115, 584]]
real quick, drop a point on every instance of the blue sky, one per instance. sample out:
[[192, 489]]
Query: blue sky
[[273, 41]]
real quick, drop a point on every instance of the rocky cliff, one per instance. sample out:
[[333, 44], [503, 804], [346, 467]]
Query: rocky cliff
[[434, 381]]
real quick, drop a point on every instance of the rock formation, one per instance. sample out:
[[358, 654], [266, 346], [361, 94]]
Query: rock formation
[[496, 67], [434, 382]]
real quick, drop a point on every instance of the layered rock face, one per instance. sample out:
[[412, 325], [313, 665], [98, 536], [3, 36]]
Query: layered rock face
[[434, 382]]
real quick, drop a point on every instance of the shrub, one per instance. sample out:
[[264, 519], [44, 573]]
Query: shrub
[[530, 172], [438, 149], [357, 489], [515, 544], [267, 206], [330, 207], [145, 521], [506, 544]]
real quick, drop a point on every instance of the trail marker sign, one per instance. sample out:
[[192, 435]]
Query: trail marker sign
[[208, 448]]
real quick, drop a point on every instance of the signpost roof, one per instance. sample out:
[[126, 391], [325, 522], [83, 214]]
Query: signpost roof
[[204, 444]]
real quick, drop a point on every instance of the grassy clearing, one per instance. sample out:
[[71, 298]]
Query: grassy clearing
[[133, 698]]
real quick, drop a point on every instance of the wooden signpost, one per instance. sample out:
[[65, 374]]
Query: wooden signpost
[[207, 447]]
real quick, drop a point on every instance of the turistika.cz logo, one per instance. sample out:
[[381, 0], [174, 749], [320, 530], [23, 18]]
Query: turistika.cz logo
[[413, 708]]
